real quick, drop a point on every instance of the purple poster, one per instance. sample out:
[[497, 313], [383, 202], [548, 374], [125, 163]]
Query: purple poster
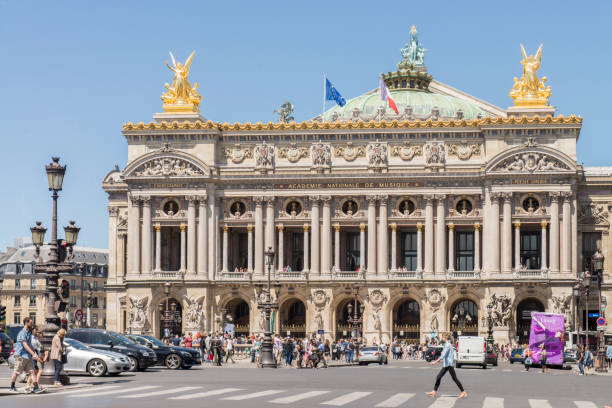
[[547, 329]]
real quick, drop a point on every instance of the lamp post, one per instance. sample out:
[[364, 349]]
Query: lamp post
[[267, 346], [583, 289], [597, 262], [354, 319], [460, 318], [60, 255], [167, 316], [490, 339]]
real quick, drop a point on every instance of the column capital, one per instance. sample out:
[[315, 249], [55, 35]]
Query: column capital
[[191, 199], [440, 197], [225, 228], [183, 227], [419, 227], [428, 199], [306, 227], [362, 227], [250, 227], [554, 196], [135, 199], [383, 199], [372, 198], [337, 227], [314, 198], [544, 224], [280, 227], [157, 227], [496, 195], [517, 224], [326, 199], [393, 226], [258, 200], [567, 195], [451, 226], [113, 211], [146, 199], [507, 197], [270, 199], [477, 226], [202, 199]]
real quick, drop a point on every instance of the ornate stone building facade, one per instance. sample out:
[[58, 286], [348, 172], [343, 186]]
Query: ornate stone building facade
[[432, 214]]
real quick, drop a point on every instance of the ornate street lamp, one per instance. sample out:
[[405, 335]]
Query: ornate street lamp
[[460, 318], [355, 319], [59, 262], [267, 346], [597, 262], [490, 339]]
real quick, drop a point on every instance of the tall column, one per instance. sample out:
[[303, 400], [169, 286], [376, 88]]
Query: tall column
[[270, 230], [259, 236], [451, 247], [393, 246], [133, 237], [476, 247], [543, 257], [494, 233], [554, 231], [326, 244], [517, 245], [441, 235], [429, 235], [225, 247], [281, 246], [337, 246], [146, 234], [315, 258], [371, 235], [566, 255], [250, 248], [191, 234], [574, 235], [113, 213], [419, 248], [306, 248], [212, 235], [183, 246], [217, 237], [362, 247], [121, 256], [383, 248], [507, 233], [157, 248], [203, 239]]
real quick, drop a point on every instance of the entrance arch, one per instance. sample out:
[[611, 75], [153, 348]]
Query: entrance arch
[[170, 318], [407, 320], [293, 318], [464, 318], [523, 317], [240, 312], [343, 327]]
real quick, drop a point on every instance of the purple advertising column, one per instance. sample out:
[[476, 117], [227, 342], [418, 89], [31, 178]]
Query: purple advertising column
[[547, 329]]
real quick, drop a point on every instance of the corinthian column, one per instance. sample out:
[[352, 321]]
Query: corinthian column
[[270, 230], [451, 247], [337, 246], [281, 246], [566, 256], [146, 235], [225, 248], [133, 237], [494, 230], [212, 235], [306, 266], [476, 247], [517, 245], [362, 247], [315, 258], [183, 247], [191, 234], [543, 257], [250, 248], [507, 233], [157, 248], [419, 267], [383, 249], [259, 236], [393, 246], [371, 235], [326, 244], [554, 231], [203, 239], [441, 235], [429, 235]]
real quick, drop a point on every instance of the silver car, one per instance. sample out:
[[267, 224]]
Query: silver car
[[84, 359], [373, 354]]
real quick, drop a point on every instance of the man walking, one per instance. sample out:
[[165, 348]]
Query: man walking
[[24, 356], [448, 362]]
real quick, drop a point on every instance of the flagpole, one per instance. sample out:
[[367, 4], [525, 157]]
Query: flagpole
[[324, 97]]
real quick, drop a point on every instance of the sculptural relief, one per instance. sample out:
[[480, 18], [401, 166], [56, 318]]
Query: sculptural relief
[[237, 154], [264, 156], [406, 151], [377, 154], [167, 166], [501, 310], [434, 153], [349, 152], [321, 155], [292, 153], [532, 162], [563, 305], [377, 299], [463, 151], [593, 213], [138, 313], [194, 314]]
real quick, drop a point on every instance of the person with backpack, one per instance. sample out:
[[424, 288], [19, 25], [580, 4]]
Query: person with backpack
[[580, 359], [588, 359], [527, 361]]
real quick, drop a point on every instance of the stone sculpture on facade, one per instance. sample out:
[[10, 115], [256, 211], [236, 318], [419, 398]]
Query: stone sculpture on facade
[[531, 162], [264, 156], [463, 151], [434, 298], [349, 152], [167, 166], [181, 96], [413, 53], [321, 155], [293, 153], [194, 314], [563, 305], [434, 154], [138, 314], [284, 113], [593, 213], [530, 90], [237, 154], [501, 310], [377, 155], [406, 151], [319, 299]]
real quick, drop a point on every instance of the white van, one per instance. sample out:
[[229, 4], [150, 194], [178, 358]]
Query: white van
[[471, 350]]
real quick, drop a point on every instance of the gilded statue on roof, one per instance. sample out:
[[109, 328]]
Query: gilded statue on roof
[[413, 53], [530, 90], [181, 96]]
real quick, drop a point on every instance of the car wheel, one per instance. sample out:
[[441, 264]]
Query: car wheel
[[380, 362], [484, 366], [511, 362], [133, 364], [458, 365], [173, 361], [96, 368]]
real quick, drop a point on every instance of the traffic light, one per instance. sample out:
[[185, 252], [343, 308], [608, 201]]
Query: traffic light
[[2, 313], [62, 246], [65, 289]]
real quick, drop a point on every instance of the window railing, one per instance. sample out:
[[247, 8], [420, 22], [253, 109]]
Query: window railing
[[235, 275], [463, 274], [338, 274], [167, 275], [403, 274], [530, 273]]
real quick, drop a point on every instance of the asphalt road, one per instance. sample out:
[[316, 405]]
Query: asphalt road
[[399, 384]]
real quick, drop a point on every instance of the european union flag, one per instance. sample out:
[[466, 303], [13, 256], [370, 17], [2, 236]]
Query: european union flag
[[332, 94]]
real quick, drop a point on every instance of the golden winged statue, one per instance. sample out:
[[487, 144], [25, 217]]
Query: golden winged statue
[[181, 96], [530, 90]]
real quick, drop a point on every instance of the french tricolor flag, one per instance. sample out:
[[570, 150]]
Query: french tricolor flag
[[385, 95]]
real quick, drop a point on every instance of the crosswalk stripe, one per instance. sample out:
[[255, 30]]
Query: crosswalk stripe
[[444, 402], [252, 395], [507, 370], [77, 391], [491, 402], [162, 392], [126, 390], [396, 400], [345, 399], [539, 403], [298, 397], [205, 394], [585, 404]]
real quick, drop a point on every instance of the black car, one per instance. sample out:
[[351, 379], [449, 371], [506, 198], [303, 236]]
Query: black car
[[433, 353], [491, 356], [171, 356], [6, 345], [140, 357]]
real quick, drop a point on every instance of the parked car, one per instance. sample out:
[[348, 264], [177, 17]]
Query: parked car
[[6, 345], [433, 353], [569, 357], [171, 356], [471, 350], [517, 356], [140, 357], [369, 355], [84, 359], [491, 356]]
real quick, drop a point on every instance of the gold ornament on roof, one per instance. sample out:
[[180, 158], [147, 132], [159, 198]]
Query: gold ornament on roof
[[530, 90], [181, 96]]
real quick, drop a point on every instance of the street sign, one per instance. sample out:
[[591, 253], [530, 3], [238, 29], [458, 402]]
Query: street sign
[[593, 314], [601, 321], [78, 315]]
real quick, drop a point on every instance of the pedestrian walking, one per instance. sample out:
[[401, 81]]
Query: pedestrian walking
[[448, 362], [609, 355], [58, 355], [527, 361], [588, 359], [543, 356], [24, 356], [229, 350], [580, 359], [39, 365]]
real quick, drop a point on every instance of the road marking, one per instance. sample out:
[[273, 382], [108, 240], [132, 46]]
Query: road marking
[[345, 399], [538, 403], [585, 404], [126, 390], [396, 400], [444, 402], [491, 402], [507, 370], [298, 397], [205, 394], [80, 390], [252, 395], [162, 392]]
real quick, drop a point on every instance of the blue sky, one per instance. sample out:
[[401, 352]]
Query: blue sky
[[72, 72]]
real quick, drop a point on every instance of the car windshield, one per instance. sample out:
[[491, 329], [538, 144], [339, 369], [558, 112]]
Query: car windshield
[[155, 341], [75, 344], [517, 351], [124, 341], [369, 349]]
